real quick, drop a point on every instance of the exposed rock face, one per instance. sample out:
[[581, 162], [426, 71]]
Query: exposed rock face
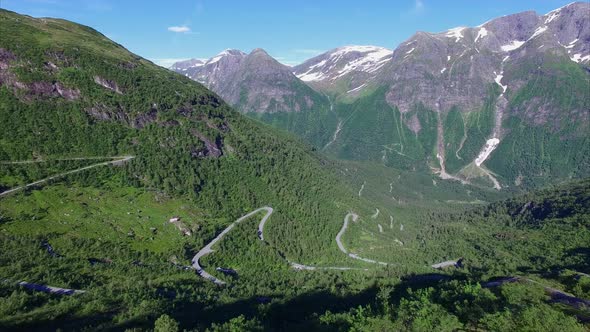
[[34, 89], [105, 113], [213, 148], [47, 89], [111, 85], [252, 82]]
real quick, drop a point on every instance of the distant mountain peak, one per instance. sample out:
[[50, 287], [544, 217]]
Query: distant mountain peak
[[226, 53], [258, 51], [186, 64], [358, 62]]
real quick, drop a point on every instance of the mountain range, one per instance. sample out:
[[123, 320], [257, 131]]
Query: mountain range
[[498, 104]]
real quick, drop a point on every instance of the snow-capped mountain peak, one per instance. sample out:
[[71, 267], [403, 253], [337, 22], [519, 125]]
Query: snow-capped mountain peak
[[341, 61], [225, 53]]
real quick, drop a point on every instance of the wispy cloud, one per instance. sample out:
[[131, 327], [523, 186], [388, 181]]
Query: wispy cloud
[[179, 29], [418, 6], [287, 61], [167, 62], [308, 51], [98, 5]]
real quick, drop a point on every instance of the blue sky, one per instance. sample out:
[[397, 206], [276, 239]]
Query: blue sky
[[289, 30]]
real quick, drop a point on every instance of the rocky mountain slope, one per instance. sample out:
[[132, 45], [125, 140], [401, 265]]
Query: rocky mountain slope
[[262, 87], [513, 69], [343, 70], [253, 82]]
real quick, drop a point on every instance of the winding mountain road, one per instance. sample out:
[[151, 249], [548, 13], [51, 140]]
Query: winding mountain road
[[112, 162], [208, 248], [298, 266], [343, 249]]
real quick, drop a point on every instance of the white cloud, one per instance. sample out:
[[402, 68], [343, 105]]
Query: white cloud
[[180, 29], [167, 62]]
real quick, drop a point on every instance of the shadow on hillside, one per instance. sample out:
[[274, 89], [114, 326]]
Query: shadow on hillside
[[577, 259], [290, 315], [299, 313], [296, 314]]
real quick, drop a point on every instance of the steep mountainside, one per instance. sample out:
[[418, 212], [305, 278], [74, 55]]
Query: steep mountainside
[[525, 74], [259, 85], [252, 82], [68, 91]]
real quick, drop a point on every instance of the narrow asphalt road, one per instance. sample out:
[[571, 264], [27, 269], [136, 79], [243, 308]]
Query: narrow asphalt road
[[263, 222], [112, 162], [343, 249], [45, 288], [36, 161], [343, 229], [207, 249]]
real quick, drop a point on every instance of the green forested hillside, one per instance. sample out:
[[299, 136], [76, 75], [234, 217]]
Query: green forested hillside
[[186, 141], [67, 91]]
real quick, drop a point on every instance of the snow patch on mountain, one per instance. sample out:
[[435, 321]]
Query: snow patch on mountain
[[374, 59], [512, 46], [552, 15], [317, 76], [539, 31], [367, 59], [579, 58], [572, 43], [491, 145], [456, 33], [498, 80], [481, 33], [224, 53], [357, 88]]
